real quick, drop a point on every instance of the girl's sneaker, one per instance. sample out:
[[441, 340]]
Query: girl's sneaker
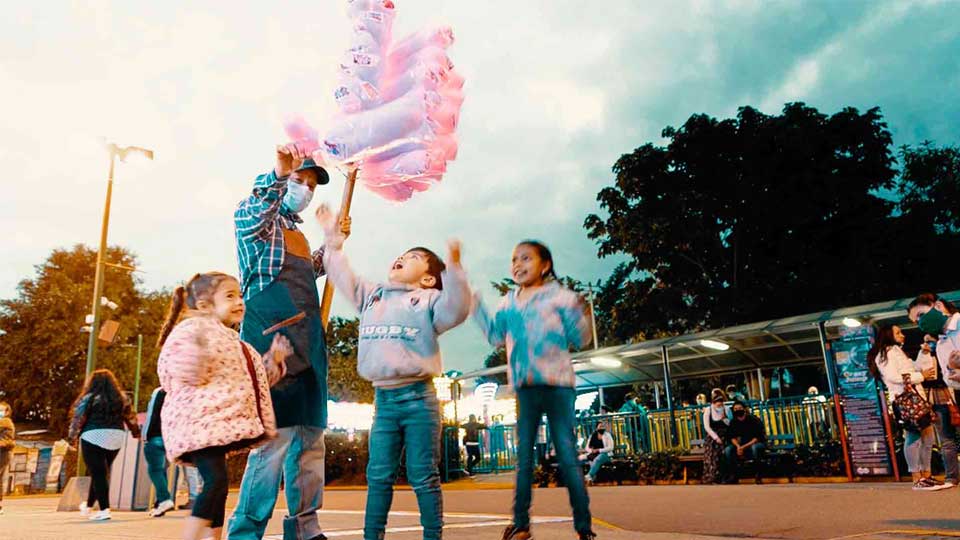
[[84, 509], [102, 515], [512, 532], [588, 535]]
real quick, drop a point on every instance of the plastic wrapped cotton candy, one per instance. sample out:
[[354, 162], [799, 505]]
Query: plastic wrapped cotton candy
[[399, 105]]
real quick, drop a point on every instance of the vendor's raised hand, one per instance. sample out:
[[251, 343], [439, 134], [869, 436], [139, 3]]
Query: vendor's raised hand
[[289, 158], [454, 246]]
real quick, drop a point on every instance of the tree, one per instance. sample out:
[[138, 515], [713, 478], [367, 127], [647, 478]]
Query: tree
[[930, 186], [747, 219], [42, 351], [343, 381]]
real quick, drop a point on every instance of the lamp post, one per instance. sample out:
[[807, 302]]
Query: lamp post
[[122, 153]]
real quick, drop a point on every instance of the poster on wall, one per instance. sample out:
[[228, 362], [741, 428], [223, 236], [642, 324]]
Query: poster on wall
[[866, 436]]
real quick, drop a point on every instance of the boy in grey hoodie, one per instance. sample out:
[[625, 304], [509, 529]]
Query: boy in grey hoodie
[[400, 321]]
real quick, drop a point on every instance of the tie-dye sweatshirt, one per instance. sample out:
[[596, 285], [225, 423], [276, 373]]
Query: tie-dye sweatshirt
[[538, 334], [400, 324]]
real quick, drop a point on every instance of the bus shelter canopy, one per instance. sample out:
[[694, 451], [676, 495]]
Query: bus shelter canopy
[[785, 342]]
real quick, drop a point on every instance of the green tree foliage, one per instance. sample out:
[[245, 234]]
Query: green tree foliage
[[42, 351], [761, 216], [929, 188], [343, 381]]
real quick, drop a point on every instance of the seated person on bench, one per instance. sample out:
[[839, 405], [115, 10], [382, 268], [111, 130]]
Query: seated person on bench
[[601, 446], [747, 440]]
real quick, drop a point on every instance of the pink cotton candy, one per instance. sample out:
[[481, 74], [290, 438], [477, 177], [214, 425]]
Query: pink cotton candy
[[399, 105]]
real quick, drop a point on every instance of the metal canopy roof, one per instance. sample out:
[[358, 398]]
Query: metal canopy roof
[[778, 343]]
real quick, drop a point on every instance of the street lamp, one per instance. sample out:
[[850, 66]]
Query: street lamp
[[122, 153]]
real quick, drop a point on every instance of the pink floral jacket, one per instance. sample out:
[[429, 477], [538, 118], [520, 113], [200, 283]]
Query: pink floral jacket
[[215, 396]]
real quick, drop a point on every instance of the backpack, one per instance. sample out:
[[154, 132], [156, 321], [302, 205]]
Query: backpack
[[913, 410]]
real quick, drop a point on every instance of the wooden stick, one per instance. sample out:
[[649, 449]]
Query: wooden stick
[[344, 213], [285, 323]]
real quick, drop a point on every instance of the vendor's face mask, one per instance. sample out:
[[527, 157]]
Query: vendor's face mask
[[298, 197], [932, 322]]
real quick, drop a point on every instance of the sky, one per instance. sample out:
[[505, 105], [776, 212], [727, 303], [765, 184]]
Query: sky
[[556, 91]]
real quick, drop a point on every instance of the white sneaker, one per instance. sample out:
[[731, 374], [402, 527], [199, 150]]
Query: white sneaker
[[947, 484], [162, 508], [1, 511], [84, 509], [920, 485], [102, 515]]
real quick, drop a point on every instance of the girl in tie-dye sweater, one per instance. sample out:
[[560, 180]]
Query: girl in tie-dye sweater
[[539, 322]]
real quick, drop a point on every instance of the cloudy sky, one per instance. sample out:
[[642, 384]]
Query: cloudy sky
[[556, 91]]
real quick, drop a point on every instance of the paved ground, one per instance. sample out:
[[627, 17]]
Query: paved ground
[[815, 511]]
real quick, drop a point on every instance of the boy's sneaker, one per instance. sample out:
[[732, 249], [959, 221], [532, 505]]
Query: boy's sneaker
[[923, 485], [512, 532], [162, 508], [948, 483], [588, 535], [84, 509], [102, 515], [935, 483]]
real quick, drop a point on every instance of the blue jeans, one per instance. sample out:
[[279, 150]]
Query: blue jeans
[[557, 403], [754, 452], [156, 456], [598, 462], [409, 417], [948, 442], [296, 455]]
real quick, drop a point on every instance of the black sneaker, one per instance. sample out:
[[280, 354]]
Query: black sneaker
[[588, 535], [512, 532], [186, 506]]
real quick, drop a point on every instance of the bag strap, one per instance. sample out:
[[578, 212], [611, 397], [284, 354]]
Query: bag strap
[[253, 377]]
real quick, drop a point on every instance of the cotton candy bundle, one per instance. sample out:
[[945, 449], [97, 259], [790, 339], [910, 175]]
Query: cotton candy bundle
[[399, 104]]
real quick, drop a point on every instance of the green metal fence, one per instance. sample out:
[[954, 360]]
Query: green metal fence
[[810, 420]]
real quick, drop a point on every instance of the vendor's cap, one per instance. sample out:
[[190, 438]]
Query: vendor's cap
[[322, 176]]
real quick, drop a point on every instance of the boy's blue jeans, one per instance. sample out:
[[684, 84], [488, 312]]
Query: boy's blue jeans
[[405, 417], [557, 403]]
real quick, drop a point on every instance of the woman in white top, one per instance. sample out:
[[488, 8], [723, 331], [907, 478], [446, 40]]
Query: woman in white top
[[716, 420], [888, 362]]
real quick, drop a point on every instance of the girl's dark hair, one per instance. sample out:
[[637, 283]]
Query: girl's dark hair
[[544, 253], [435, 265], [929, 299], [200, 287], [878, 353], [103, 384]]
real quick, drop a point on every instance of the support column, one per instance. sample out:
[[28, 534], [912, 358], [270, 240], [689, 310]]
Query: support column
[[669, 394]]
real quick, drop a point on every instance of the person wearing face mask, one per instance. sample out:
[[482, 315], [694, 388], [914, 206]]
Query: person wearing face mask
[[888, 363], [748, 440], [278, 274], [716, 422], [8, 439], [601, 446]]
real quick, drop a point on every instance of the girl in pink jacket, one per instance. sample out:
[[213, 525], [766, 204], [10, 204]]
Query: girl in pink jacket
[[218, 389]]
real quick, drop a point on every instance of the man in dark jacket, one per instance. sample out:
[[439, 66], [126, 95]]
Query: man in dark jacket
[[748, 440]]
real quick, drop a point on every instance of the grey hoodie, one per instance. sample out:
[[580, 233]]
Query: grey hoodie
[[400, 324]]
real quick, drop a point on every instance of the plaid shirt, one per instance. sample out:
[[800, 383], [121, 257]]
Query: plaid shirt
[[259, 222]]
